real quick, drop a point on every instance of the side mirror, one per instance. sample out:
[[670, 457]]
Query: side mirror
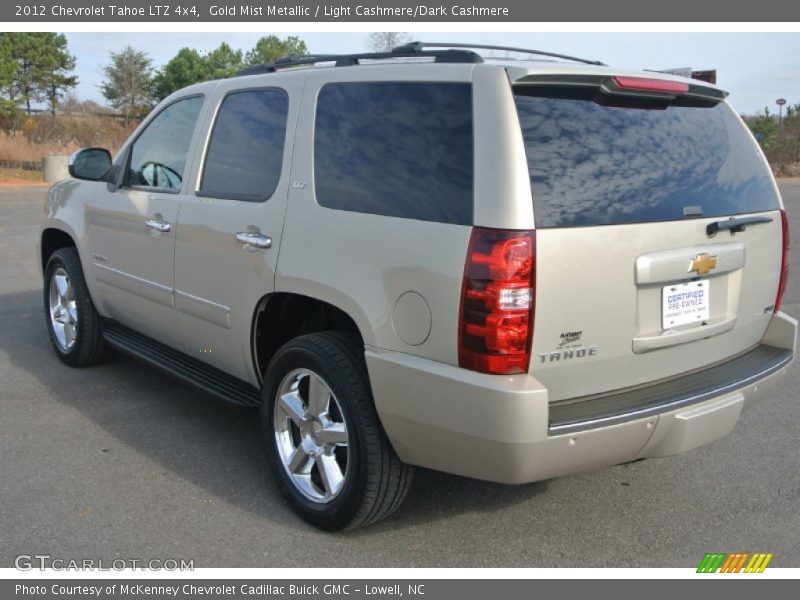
[[89, 163]]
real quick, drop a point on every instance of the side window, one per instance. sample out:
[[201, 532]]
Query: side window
[[158, 156], [396, 149], [245, 154]]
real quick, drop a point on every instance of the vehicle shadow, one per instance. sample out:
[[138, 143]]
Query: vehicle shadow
[[213, 445]]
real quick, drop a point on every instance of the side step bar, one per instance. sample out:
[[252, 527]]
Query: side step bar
[[193, 371]]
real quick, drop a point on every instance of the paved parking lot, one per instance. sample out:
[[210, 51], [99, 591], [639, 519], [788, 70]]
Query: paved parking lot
[[122, 461]]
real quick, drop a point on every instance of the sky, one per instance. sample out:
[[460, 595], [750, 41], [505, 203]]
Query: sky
[[756, 68]]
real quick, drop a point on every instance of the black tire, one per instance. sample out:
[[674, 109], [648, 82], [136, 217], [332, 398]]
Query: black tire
[[376, 481], [89, 347]]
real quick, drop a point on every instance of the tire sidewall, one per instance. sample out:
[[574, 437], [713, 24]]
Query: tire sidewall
[[62, 259], [341, 510]]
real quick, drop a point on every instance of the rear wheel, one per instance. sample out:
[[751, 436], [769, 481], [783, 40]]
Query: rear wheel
[[326, 447], [74, 326]]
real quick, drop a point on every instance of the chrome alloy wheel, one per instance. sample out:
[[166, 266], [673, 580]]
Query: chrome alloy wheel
[[311, 435], [63, 310]]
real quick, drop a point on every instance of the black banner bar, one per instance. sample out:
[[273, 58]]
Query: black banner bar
[[463, 11]]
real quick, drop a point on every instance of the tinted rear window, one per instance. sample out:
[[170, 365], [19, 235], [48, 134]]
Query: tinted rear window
[[395, 149], [600, 165]]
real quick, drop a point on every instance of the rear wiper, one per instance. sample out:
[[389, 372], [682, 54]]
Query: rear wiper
[[734, 224]]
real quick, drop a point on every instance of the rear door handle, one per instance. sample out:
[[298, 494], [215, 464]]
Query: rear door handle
[[158, 225], [254, 239]]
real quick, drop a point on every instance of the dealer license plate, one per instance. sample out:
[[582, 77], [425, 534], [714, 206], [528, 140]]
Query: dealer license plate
[[684, 303]]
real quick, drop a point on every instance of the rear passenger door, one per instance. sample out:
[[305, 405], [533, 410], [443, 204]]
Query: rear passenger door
[[382, 228], [229, 229]]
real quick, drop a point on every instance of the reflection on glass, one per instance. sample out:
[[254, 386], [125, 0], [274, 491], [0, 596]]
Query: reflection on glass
[[91, 163], [596, 165], [158, 156], [159, 176], [396, 149], [246, 150]]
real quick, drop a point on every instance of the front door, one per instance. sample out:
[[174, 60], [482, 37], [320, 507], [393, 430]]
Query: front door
[[132, 226]]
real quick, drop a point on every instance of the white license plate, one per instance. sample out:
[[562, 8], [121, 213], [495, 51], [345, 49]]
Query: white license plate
[[684, 303]]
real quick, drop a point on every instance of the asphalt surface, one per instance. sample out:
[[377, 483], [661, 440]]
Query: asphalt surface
[[120, 461]]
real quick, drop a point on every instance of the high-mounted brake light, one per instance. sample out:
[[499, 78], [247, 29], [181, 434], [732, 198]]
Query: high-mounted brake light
[[497, 301], [784, 261], [645, 84]]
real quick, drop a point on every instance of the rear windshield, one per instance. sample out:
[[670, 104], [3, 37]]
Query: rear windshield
[[591, 164]]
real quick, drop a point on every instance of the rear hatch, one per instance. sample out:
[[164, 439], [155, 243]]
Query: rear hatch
[[639, 274]]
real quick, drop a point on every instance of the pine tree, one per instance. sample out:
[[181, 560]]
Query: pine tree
[[270, 48], [128, 84], [185, 68], [57, 63]]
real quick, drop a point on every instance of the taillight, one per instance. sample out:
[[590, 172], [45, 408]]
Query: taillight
[[646, 84], [497, 298], [784, 261]]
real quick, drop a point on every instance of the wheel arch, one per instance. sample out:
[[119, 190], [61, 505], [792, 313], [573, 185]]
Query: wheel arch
[[52, 239], [282, 316]]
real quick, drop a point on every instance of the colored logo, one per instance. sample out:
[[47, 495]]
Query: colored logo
[[737, 562], [702, 264]]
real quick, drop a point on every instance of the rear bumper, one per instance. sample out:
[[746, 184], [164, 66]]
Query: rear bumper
[[503, 429]]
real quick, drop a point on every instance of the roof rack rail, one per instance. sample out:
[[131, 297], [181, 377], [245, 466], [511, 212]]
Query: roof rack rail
[[420, 47], [348, 60]]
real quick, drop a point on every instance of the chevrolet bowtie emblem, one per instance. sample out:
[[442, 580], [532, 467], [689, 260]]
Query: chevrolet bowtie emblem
[[702, 264]]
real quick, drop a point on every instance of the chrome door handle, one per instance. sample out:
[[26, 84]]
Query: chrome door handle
[[158, 225], [254, 239]]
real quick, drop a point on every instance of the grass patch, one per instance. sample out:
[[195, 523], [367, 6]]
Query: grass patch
[[20, 175]]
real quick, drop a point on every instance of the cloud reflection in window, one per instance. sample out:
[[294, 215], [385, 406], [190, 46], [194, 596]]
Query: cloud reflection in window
[[396, 149], [596, 165]]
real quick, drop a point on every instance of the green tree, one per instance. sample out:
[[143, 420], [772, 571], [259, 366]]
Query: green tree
[[780, 142], [224, 61], [8, 67], [26, 48], [128, 83], [786, 149], [41, 65], [57, 64], [8, 71], [185, 68], [270, 48], [764, 128], [188, 67]]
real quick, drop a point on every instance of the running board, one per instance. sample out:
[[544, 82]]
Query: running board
[[193, 371]]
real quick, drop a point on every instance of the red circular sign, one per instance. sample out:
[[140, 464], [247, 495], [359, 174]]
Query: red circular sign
[[780, 101]]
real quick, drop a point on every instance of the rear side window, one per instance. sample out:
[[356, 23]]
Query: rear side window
[[396, 149], [245, 154], [602, 165]]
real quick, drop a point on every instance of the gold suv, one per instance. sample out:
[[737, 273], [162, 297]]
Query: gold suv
[[509, 270]]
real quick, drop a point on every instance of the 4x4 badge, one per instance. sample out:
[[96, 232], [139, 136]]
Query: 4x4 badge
[[702, 264]]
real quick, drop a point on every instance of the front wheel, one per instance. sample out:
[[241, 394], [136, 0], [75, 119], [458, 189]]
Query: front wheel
[[75, 328], [326, 447]]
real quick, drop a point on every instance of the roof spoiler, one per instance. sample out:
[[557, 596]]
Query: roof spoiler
[[631, 86]]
